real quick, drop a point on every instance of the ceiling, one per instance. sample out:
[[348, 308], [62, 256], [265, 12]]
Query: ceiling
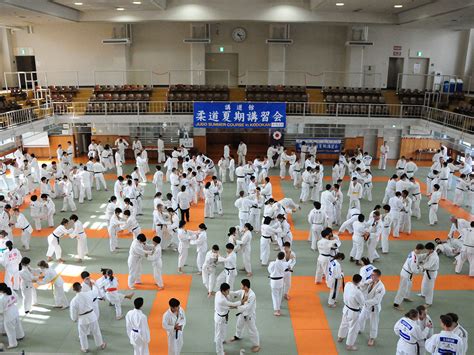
[[18, 17], [107, 5], [452, 14], [377, 6]]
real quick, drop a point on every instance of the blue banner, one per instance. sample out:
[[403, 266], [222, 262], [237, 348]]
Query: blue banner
[[239, 114], [324, 145]]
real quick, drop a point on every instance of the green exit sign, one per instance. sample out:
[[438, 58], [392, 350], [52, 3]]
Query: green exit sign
[[419, 53], [221, 49]]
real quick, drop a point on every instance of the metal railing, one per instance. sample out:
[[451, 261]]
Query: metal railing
[[449, 119], [186, 107], [27, 115]]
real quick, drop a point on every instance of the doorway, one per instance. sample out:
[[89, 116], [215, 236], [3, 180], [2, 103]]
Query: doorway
[[222, 61], [419, 68], [27, 63], [395, 66]]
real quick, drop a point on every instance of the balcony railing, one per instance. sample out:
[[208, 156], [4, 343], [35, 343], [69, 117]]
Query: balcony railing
[[186, 107], [27, 115], [449, 119]]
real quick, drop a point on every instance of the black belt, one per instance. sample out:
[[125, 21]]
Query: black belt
[[328, 255], [135, 228], [229, 270], [69, 153], [428, 273], [226, 316], [55, 236], [275, 278], [418, 193], [241, 177], [263, 236], [444, 179], [297, 171], [98, 172], [352, 309], [28, 226], [83, 314], [435, 203], [460, 189], [409, 172], [408, 272], [135, 330]]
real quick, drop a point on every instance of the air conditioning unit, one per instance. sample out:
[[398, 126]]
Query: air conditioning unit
[[359, 43], [120, 35], [200, 33], [197, 40], [117, 41], [279, 34], [279, 41]]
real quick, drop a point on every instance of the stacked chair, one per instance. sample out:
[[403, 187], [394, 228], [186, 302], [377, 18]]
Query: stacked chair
[[6, 106], [181, 97], [355, 101], [120, 99], [18, 93], [294, 96], [465, 108]]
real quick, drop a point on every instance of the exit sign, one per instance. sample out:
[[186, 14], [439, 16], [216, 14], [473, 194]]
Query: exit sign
[[419, 53]]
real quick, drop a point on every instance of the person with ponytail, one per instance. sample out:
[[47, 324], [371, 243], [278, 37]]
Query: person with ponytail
[[233, 235], [50, 276], [27, 277], [11, 316], [111, 286], [81, 238], [112, 204], [245, 246], [11, 260], [64, 229]]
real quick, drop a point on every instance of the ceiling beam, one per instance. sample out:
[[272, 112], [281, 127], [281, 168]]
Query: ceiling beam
[[45, 7], [433, 10], [217, 11], [161, 4], [313, 5]]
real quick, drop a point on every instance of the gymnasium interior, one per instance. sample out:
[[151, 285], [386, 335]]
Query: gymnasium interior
[[348, 75]]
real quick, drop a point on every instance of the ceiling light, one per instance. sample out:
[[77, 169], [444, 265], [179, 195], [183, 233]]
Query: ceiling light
[[398, 6], [339, 4], [137, 3], [120, 8], [78, 3]]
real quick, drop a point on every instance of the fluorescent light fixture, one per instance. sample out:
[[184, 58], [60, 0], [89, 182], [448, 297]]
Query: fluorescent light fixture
[[339, 4], [398, 6], [78, 3], [137, 3], [120, 8]]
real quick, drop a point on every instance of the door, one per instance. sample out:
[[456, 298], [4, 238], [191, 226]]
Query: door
[[395, 66], [222, 61], [418, 68], [27, 63]]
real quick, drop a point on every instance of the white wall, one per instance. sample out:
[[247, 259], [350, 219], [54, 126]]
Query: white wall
[[77, 47], [253, 52], [316, 48], [440, 46], [159, 46]]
